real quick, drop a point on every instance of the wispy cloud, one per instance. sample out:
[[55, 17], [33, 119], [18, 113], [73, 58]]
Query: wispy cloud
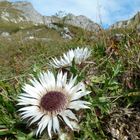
[[107, 11]]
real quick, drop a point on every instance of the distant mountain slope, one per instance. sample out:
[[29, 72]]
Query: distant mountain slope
[[130, 23]]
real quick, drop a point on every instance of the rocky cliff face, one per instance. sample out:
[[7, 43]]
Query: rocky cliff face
[[130, 23], [18, 12]]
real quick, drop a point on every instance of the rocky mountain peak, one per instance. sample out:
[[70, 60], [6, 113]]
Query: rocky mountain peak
[[28, 11], [82, 21], [2, 0]]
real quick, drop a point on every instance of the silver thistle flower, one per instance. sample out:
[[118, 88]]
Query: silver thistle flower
[[49, 99], [79, 55]]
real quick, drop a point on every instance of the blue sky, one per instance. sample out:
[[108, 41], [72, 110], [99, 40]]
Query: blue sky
[[105, 11]]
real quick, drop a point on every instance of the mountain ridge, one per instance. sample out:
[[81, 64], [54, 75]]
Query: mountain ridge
[[23, 11]]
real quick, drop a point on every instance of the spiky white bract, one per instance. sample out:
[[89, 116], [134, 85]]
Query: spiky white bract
[[79, 55], [50, 98]]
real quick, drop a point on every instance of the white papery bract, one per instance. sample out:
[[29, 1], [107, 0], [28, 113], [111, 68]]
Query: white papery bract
[[50, 98], [79, 55]]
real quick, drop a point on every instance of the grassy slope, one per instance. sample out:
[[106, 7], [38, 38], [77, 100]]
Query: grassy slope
[[20, 54]]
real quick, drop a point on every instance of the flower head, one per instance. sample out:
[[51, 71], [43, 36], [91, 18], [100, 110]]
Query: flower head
[[50, 98], [79, 55]]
